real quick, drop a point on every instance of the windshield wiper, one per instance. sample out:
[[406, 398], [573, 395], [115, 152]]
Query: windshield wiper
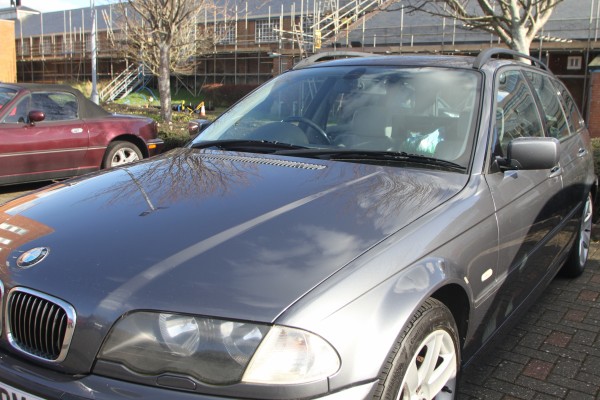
[[246, 145], [371, 155]]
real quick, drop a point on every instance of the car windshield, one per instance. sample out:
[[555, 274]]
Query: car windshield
[[426, 112], [6, 95]]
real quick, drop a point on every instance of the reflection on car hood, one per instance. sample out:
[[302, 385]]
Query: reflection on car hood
[[214, 233]]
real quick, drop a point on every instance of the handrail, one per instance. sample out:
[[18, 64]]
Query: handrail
[[116, 81], [125, 82], [353, 10]]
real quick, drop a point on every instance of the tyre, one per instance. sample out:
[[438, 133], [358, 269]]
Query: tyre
[[425, 362], [120, 153], [577, 258]]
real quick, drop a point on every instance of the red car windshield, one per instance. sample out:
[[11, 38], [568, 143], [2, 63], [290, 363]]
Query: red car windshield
[[6, 95]]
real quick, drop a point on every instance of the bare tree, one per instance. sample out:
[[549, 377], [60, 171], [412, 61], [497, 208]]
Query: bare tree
[[166, 36], [516, 22]]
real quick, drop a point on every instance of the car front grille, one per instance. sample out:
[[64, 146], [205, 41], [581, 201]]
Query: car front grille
[[39, 325]]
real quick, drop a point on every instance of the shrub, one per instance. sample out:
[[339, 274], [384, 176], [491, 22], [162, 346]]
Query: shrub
[[219, 95], [596, 148]]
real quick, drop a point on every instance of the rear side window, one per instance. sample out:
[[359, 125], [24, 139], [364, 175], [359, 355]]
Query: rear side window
[[516, 112], [573, 115], [556, 122]]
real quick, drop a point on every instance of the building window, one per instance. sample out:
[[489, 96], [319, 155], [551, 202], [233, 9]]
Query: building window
[[574, 62], [307, 24], [67, 45], [308, 39], [47, 45], [267, 31], [25, 47], [225, 33], [12, 228]]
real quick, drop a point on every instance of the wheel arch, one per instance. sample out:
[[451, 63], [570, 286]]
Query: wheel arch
[[128, 137], [595, 200], [391, 306], [456, 299], [423, 323]]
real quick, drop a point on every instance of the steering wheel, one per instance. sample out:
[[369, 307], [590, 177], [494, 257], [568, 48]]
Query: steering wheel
[[312, 124]]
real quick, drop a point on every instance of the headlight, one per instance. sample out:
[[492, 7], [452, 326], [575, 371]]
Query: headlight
[[289, 356], [211, 350], [217, 351]]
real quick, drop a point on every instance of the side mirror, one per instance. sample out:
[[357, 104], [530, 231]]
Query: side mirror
[[532, 153], [36, 116], [196, 126]]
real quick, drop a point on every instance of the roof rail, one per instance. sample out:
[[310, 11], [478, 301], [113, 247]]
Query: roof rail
[[487, 55], [330, 55]]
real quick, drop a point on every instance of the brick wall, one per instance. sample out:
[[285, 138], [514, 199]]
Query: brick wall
[[594, 110], [8, 55]]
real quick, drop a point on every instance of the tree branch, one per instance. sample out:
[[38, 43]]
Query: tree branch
[[516, 22]]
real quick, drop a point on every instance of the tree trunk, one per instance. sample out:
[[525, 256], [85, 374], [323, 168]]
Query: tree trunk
[[164, 85], [520, 40]]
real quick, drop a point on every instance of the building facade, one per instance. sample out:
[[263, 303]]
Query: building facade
[[8, 62], [257, 40]]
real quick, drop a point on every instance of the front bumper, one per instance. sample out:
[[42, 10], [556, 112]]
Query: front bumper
[[52, 385], [154, 146]]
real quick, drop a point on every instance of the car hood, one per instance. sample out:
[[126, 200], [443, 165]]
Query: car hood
[[223, 234]]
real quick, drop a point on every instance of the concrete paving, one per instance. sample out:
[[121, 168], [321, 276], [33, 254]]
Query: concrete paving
[[554, 350]]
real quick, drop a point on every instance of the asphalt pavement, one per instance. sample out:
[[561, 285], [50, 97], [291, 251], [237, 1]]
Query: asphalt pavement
[[552, 353]]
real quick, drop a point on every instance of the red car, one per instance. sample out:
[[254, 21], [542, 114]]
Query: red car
[[53, 132]]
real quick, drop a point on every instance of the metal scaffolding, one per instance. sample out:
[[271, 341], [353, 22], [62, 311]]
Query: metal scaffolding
[[251, 47]]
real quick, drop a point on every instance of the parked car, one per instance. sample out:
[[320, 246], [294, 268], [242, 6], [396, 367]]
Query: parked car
[[353, 229], [53, 132]]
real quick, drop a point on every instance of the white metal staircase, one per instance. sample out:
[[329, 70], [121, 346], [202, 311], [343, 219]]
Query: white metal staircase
[[335, 16], [126, 82], [331, 18]]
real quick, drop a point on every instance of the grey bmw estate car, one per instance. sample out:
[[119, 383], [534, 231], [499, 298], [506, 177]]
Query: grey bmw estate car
[[358, 228]]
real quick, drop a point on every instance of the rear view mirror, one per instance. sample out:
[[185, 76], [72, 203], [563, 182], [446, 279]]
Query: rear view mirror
[[36, 116], [196, 126], [532, 153]]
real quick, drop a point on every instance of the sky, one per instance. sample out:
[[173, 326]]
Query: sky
[[53, 5]]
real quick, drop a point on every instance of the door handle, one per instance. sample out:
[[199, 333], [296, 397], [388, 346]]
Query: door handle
[[554, 172], [582, 152], [77, 130]]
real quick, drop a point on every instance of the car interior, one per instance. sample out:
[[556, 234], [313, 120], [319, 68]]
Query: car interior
[[404, 112]]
